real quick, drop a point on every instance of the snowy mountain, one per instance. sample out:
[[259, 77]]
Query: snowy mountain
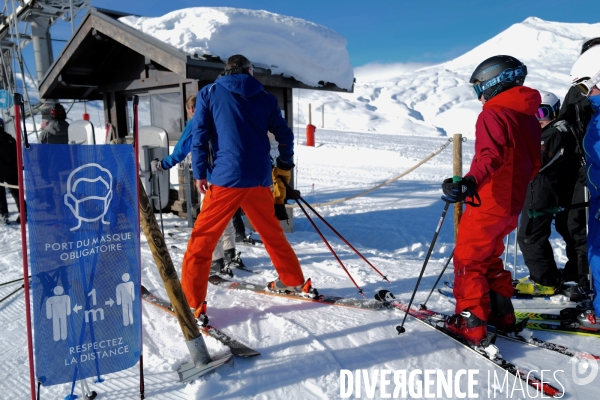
[[438, 100]]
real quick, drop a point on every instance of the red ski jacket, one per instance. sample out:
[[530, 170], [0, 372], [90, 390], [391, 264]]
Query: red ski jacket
[[507, 150]]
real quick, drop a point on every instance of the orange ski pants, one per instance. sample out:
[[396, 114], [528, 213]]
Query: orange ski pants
[[218, 207], [478, 266]]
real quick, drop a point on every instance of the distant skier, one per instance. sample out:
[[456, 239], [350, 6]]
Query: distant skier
[[233, 115], [57, 130], [224, 256], [585, 76], [550, 189], [507, 148], [9, 172]]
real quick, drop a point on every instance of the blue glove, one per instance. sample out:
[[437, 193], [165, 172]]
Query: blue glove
[[457, 189]]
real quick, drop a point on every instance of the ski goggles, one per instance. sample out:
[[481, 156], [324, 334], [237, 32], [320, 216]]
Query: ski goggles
[[585, 85], [543, 112], [508, 75]]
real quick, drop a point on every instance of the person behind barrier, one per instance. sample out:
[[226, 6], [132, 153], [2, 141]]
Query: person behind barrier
[[9, 172], [507, 148], [233, 116], [224, 257], [585, 76], [57, 130], [549, 192]]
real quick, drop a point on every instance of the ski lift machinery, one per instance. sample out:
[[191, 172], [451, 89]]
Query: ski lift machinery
[[23, 22]]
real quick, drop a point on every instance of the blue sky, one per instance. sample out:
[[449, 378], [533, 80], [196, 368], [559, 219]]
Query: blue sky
[[389, 31]]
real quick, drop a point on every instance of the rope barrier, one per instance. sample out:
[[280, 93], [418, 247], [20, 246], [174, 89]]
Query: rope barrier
[[393, 179], [9, 186]]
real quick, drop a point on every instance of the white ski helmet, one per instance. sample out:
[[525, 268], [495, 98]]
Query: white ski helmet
[[549, 107], [585, 73]]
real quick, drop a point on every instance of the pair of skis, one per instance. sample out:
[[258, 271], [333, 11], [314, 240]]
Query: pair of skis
[[242, 350], [238, 348], [490, 352], [559, 323]]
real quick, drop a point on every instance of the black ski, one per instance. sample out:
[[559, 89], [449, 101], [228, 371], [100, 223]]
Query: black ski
[[237, 348], [435, 320]]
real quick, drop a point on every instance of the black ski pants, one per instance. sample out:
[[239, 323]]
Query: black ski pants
[[533, 238], [238, 224], [577, 268], [13, 192]]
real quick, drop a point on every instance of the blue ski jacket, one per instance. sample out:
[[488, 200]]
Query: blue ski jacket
[[591, 146], [181, 150], [233, 115]]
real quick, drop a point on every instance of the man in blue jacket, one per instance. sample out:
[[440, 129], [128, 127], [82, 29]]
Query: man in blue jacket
[[230, 123]]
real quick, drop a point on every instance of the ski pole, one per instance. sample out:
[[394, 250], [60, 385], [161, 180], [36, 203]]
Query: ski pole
[[506, 242], [294, 194], [329, 247], [400, 328], [11, 293], [424, 305], [516, 250], [162, 228], [9, 282]]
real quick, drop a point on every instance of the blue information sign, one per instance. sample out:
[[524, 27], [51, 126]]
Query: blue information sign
[[5, 99], [83, 224]]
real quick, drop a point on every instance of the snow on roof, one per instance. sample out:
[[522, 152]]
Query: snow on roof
[[286, 45]]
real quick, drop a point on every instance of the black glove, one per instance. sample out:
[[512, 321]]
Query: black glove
[[284, 166], [457, 189], [280, 212]]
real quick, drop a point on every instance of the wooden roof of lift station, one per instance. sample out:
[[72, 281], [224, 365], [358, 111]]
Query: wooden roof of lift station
[[108, 60]]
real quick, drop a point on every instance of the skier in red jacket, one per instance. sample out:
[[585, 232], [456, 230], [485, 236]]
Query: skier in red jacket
[[507, 145]]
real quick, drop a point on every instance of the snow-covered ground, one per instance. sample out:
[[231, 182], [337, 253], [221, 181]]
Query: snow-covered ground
[[304, 346], [391, 121]]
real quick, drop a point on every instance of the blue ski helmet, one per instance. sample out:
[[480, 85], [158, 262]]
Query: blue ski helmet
[[497, 74]]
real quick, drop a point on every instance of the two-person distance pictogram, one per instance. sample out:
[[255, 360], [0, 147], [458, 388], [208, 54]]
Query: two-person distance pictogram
[[58, 307]]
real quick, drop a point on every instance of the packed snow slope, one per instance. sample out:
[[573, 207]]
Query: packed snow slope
[[304, 346]]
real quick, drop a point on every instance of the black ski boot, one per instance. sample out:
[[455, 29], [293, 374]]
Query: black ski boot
[[201, 315], [218, 267], [232, 259]]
